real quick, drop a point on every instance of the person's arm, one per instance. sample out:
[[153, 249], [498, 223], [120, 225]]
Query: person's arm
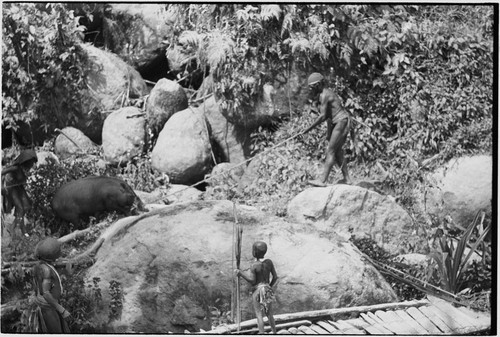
[[311, 107], [250, 278], [317, 122], [46, 286], [324, 109], [273, 273]]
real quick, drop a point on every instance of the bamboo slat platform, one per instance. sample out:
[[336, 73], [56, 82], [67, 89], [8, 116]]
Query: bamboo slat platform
[[424, 317]]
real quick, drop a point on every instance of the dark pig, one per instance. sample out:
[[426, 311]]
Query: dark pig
[[88, 196]]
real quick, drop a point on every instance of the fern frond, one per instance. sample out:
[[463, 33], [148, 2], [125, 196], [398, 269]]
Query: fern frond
[[242, 15], [267, 12], [321, 49], [287, 24], [219, 47], [189, 37], [346, 53], [300, 44], [314, 20]]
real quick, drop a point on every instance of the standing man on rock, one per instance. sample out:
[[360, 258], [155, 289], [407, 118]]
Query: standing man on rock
[[48, 289], [338, 121]]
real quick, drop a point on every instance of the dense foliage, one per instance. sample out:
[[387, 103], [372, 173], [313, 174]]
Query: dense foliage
[[43, 68]]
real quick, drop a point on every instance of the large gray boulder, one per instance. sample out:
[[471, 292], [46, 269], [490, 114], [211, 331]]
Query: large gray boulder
[[72, 141], [111, 81], [229, 139], [183, 149], [461, 188], [174, 263], [124, 135], [351, 210], [166, 98], [152, 30]]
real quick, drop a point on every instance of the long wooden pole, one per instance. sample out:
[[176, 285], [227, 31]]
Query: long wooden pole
[[239, 231], [233, 281]]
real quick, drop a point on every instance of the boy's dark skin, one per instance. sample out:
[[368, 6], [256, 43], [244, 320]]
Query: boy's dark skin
[[259, 275], [338, 124]]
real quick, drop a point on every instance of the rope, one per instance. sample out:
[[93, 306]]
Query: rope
[[69, 138], [235, 166]]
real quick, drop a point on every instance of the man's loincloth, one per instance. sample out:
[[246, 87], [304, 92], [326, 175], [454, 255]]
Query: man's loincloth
[[340, 116], [43, 307], [265, 295]]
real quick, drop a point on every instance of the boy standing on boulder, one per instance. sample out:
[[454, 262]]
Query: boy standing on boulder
[[258, 277]]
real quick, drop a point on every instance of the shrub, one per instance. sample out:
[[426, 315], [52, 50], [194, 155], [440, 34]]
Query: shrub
[[45, 180], [140, 175], [452, 263], [82, 301], [403, 290]]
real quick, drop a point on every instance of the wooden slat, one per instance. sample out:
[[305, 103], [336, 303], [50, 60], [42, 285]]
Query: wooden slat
[[421, 330], [459, 326], [435, 319], [328, 327], [395, 323], [372, 330], [278, 327], [318, 329], [377, 329], [382, 328], [428, 324], [341, 325], [484, 319], [374, 317], [306, 330], [386, 316], [400, 328], [367, 318], [453, 323], [346, 328], [295, 331], [354, 331], [358, 323], [455, 312]]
